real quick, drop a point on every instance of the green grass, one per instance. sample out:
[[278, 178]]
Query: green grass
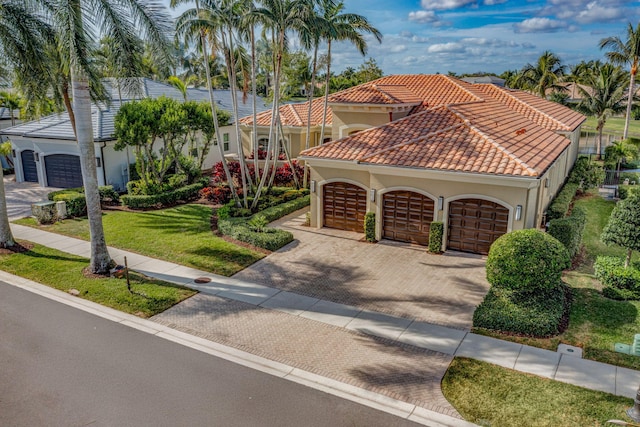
[[613, 125], [63, 271], [489, 395], [596, 323], [181, 234]]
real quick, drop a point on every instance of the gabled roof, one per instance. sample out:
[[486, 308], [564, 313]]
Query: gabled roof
[[294, 115], [58, 126]]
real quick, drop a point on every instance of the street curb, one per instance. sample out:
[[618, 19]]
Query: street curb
[[355, 394]]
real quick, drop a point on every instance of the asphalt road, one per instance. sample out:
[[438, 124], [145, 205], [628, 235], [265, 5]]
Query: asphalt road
[[60, 366]]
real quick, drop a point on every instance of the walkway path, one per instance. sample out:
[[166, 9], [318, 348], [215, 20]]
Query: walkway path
[[404, 359]]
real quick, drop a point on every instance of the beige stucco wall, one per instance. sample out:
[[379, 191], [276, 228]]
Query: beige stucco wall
[[296, 137], [345, 122], [450, 186]]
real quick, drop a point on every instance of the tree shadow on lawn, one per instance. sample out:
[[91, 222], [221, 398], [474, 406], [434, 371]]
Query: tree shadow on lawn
[[192, 219]]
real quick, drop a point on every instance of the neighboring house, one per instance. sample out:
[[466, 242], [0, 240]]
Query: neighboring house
[[5, 117], [414, 149], [485, 79], [45, 150]]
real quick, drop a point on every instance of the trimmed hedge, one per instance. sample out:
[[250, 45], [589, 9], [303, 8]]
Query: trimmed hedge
[[75, 200], [185, 194], [436, 233], [370, 226], [569, 230], [270, 238], [625, 191], [560, 205], [619, 283], [539, 314], [526, 261]]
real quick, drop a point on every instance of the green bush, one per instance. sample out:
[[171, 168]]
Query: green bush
[[586, 173], [560, 205], [569, 230], [270, 238], [631, 176], [625, 191], [184, 194], [436, 232], [619, 282], [526, 261], [75, 200], [539, 314], [370, 226]]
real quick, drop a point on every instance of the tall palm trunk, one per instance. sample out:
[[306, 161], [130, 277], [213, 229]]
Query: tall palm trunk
[[100, 259], [307, 144], [274, 117], [599, 128], [632, 81], [254, 93], [6, 237], [326, 92], [214, 115]]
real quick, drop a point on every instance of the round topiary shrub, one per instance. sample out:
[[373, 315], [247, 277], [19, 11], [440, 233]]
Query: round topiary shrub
[[526, 261]]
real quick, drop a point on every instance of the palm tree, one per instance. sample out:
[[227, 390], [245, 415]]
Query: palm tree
[[77, 24], [279, 17], [623, 53], [544, 75], [577, 74], [10, 101], [607, 84], [340, 26]]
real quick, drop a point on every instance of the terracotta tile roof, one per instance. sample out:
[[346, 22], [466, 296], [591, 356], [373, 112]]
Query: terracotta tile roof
[[483, 137], [294, 115]]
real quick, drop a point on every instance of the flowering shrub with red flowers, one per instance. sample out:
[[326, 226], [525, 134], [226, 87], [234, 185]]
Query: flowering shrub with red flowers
[[284, 174], [219, 194], [219, 176]]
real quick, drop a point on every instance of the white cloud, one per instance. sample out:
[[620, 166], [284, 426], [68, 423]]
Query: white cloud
[[597, 13], [406, 34], [445, 4], [398, 48], [423, 16], [451, 47], [539, 25], [492, 2]]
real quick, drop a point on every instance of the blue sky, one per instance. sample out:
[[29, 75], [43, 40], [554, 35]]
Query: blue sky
[[429, 36]]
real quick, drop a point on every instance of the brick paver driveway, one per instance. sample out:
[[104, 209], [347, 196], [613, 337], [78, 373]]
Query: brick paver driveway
[[390, 277], [20, 196]]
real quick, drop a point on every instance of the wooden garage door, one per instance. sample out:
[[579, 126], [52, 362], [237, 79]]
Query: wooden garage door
[[29, 169], [406, 217], [474, 224], [63, 171], [344, 206]]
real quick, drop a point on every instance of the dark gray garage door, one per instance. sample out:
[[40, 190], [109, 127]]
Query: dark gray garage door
[[63, 171], [29, 169]]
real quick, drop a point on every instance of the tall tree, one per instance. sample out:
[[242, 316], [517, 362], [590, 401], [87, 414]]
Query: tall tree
[[78, 24], [623, 228], [625, 52], [605, 96], [545, 74], [10, 101], [339, 26]]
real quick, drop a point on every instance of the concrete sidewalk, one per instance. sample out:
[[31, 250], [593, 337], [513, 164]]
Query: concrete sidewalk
[[563, 366]]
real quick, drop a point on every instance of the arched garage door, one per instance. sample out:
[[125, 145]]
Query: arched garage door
[[406, 217], [29, 169], [474, 224], [63, 171], [344, 206]]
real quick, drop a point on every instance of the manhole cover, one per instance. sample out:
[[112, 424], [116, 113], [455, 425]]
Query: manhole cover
[[202, 280]]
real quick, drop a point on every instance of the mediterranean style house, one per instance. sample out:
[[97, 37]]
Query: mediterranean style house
[[413, 149]]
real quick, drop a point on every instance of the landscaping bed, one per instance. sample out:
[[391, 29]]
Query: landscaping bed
[[489, 395], [63, 271], [596, 323]]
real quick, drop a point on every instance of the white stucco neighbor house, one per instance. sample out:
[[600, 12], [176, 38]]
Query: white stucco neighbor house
[[45, 150]]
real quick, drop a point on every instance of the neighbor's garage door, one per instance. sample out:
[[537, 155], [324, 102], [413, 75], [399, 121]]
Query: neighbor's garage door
[[344, 206], [474, 224], [29, 169], [63, 171], [406, 217]]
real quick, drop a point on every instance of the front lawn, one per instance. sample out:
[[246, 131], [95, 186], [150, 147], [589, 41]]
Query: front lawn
[[63, 271], [490, 395], [180, 234], [596, 323]]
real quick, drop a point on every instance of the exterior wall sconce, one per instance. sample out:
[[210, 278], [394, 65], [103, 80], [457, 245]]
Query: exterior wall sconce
[[518, 212], [546, 183], [36, 157], [312, 186], [372, 194], [13, 153], [98, 162], [440, 203]]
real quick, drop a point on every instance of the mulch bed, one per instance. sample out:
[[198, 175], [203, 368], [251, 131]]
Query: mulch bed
[[17, 248]]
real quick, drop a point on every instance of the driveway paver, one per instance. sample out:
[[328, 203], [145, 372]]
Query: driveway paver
[[398, 279], [21, 195]]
